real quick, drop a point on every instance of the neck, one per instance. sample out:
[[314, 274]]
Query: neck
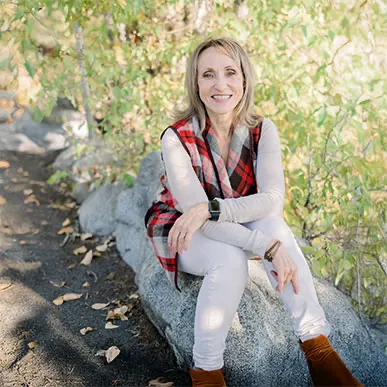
[[221, 124]]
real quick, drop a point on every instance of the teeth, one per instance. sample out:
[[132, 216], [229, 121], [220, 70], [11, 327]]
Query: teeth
[[221, 96]]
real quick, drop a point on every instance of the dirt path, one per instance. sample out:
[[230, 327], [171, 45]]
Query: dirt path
[[30, 257]]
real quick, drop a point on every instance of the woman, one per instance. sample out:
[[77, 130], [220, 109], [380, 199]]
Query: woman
[[209, 215]]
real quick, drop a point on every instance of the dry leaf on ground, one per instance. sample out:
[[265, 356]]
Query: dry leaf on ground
[[161, 382], [99, 306], [87, 330], [101, 352], [117, 313], [134, 295], [66, 222], [27, 191], [71, 296], [86, 285], [112, 353], [72, 266], [85, 236], [58, 284], [80, 250], [5, 284], [44, 222], [3, 200], [67, 297], [88, 258], [101, 248], [4, 164], [109, 325], [32, 199], [71, 204], [32, 345], [66, 229]]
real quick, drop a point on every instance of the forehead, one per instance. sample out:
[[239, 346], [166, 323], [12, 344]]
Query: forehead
[[213, 57]]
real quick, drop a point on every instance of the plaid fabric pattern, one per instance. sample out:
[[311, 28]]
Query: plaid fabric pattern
[[219, 179]]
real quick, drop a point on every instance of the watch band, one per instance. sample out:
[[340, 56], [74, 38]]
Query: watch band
[[272, 251], [214, 209]]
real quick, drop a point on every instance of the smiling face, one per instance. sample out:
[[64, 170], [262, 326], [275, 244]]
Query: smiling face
[[220, 82]]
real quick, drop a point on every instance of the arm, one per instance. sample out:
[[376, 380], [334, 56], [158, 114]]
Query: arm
[[270, 179], [187, 190]]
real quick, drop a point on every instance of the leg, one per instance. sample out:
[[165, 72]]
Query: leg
[[309, 322], [308, 317], [225, 272]]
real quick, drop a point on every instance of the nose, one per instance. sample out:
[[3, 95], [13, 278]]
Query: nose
[[221, 83]]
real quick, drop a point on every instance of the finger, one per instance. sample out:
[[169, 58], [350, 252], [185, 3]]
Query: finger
[[187, 241], [274, 274], [295, 282], [280, 280]]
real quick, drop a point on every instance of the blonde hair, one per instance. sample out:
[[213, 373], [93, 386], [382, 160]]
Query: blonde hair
[[244, 111]]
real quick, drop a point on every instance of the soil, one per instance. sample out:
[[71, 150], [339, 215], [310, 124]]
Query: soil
[[40, 342]]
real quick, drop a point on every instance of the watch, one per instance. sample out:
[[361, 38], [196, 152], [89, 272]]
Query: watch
[[269, 255], [214, 209]]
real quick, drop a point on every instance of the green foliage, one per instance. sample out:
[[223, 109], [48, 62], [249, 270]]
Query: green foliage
[[321, 79]]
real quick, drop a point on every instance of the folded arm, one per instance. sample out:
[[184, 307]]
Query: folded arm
[[270, 179], [189, 193]]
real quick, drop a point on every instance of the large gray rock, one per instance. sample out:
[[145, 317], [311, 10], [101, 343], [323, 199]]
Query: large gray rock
[[98, 212], [261, 347]]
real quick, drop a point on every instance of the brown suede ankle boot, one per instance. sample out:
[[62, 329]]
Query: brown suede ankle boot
[[204, 378], [325, 365]]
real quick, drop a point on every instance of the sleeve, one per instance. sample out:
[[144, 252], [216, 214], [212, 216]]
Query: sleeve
[[187, 190], [183, 182], [270, 179]]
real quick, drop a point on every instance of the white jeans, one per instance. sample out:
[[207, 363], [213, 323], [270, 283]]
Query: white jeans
[[225, 272]]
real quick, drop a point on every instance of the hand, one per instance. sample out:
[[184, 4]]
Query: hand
[[285, 270], [180, 235]]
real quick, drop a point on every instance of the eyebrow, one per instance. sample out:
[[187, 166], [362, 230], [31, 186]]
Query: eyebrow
[[226, 67]]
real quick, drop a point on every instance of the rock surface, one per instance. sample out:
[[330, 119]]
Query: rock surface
[[98, 212], [261, 348]]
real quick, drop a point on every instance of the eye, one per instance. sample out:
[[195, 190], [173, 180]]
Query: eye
[[230, 73], [208, 75]]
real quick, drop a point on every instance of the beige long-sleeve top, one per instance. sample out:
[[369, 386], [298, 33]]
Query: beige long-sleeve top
[[230, 228]]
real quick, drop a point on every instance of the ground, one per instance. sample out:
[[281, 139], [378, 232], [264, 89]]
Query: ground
[[40, 342]]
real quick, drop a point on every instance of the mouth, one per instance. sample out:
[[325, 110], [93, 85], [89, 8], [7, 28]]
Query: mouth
[[221, 97]]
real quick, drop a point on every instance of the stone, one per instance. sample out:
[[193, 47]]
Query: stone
[[261, 348], [98, 212]]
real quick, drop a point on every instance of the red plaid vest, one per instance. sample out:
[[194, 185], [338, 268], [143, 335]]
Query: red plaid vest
[[233, 180]]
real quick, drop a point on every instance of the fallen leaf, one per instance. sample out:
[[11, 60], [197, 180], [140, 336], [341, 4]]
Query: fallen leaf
[[44, 222], [99, 306], [134, 295], [4, 164], [72, 266], [110, 276], [66, 229], [88, 258], [101, 248], [71, 204], [112, 353], [5, 284], [32, 199], [85, 236], [96, 254], [58, 284], [87, 330], [80, 250], [101, 352], [86, 285], [20, 170], [25, 173], [27, 191], [66, 222], [58, 301], [109, 325], [22, 242], [161, 382], [111, 244], [32, 345], [2, 200], [71, 296]]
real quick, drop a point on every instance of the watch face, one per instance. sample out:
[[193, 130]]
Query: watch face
[[215, 206]]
